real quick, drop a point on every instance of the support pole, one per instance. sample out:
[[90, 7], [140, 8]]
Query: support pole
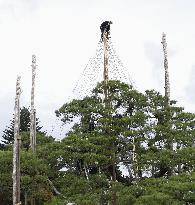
[[33, 112], [105, 31], [107, 105], [105, 74], [16, 146]]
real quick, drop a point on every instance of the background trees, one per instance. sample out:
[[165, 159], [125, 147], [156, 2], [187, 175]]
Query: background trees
[[130, 150], [127, 144], [35, 171], [8, 135]]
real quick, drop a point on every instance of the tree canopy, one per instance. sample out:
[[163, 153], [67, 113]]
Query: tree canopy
[[130, 148], [8, 133]]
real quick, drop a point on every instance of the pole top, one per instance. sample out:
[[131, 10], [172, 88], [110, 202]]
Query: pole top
[[18, 78], [18, 88], [33, 58], [163, 38]]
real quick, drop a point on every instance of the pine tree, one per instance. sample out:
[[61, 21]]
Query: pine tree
[[103, 138], [8, 135], [133, 131]]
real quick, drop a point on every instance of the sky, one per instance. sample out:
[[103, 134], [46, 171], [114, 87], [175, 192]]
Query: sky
[[64, 35]]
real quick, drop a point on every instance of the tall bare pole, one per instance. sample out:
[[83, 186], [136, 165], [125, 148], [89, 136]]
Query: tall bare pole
[[167, 83], [134, 160], [16, 146], [32, 111], [107, 104], [105, 74], [167, 93]]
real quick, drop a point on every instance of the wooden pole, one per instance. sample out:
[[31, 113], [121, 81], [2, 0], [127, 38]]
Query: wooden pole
[[33, 112], [105, 74], [107, 105], [25, 199], [167, 93], [135, 167], [16, 146], [167, 83]]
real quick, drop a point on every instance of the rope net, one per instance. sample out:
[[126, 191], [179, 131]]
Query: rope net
[[93, 72]]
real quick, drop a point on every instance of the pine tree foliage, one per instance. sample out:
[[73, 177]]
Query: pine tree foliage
[[152, 142], [130, 148], [35, 171], [8, 133]]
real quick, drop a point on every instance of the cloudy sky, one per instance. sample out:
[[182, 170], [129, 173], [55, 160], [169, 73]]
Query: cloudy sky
[[64, 34]]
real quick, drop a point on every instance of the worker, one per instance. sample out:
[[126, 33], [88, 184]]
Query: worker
[[105, 27]]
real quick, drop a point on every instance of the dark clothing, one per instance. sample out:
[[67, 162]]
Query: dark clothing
[[105, 27]]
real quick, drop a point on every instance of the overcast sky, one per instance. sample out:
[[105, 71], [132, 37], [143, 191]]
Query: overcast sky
[[64, 34]]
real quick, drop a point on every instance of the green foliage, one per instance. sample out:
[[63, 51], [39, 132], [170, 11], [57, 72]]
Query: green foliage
[[55, 201], [5, 177], [8, 135], [106, 133], [130, 148], [34, 173]]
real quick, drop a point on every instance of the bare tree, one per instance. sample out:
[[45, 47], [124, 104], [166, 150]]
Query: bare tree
[[167, 83], [16, 147], [32, 111]]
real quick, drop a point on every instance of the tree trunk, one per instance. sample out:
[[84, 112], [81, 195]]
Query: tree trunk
[[32, 201], [16, 146], [114, 198], [32, 111], [25, 199]]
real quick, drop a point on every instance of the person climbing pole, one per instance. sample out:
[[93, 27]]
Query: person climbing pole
[[105, 27]]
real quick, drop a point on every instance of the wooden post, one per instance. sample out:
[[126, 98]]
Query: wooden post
[[105, 74], [35, 136], [167, 93], [107, 105], [134, 160], [16, 146], [167, 83], [25, 199], [33, 112]]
